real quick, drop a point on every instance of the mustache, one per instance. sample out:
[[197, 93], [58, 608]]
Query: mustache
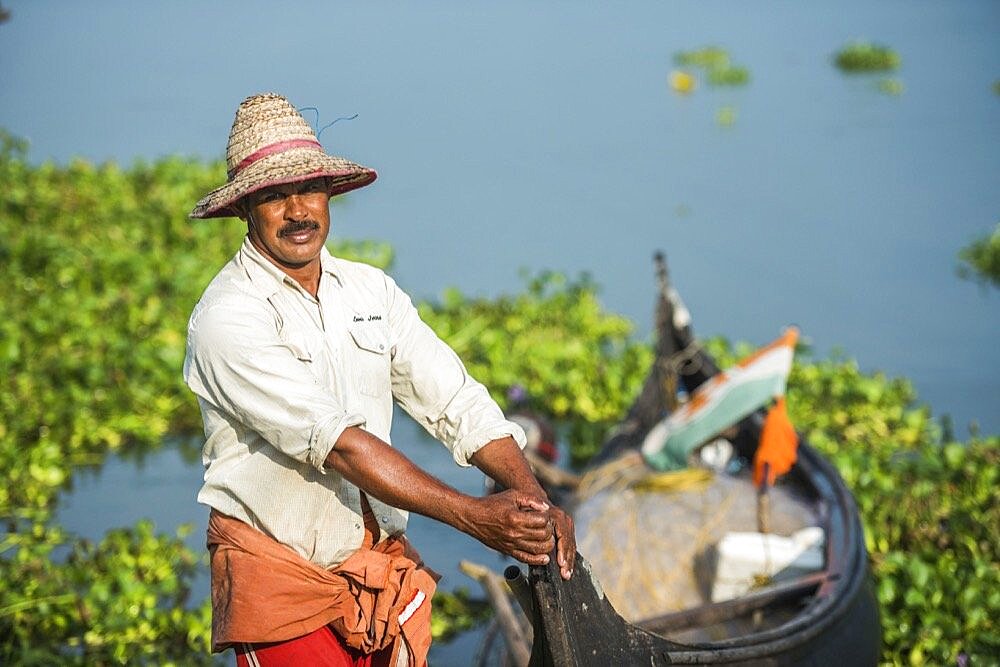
[[297, 226]]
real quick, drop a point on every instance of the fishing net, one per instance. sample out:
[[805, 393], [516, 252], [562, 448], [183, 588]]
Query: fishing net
[[649, 538]]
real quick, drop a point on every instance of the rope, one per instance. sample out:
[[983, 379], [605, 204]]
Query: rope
[[681, 360], [690, 479], [618, 473]]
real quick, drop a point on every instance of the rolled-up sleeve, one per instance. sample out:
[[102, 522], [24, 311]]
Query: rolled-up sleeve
[[431, 383], [237, 362]]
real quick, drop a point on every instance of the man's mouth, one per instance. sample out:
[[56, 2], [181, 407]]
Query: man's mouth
[[299, 231]]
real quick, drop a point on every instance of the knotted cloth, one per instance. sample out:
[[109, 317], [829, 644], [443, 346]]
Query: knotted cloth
[[262, 591]]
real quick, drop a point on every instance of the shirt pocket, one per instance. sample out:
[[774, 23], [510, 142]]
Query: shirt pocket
[[371, 356]]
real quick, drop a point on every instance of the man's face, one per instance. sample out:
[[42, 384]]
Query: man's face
[[289, 223]]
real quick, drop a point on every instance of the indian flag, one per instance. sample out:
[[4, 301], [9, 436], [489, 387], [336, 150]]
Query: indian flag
[[720, 402]]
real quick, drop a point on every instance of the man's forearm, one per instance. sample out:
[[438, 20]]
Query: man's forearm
[[383, 472], [513, 522], [503, 460]]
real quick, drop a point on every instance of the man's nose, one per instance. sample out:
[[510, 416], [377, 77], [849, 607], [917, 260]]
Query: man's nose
[[295, 207]]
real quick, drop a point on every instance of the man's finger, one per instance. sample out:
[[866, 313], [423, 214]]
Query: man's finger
[[532, 520], [534, 549], [567, 556], [543, 546], [527, 502], [566, 544], [533, 542], [529, 558], [542, 534]]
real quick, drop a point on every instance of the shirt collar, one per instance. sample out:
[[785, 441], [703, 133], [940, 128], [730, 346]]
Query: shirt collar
[[267, 276], [330, 265]]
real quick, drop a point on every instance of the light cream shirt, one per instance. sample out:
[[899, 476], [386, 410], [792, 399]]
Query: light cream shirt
[[279, 375]]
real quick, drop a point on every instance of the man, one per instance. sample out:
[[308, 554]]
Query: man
[[296, 357]]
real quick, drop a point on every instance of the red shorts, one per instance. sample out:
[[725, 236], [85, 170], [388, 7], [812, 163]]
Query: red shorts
[[321, 648]]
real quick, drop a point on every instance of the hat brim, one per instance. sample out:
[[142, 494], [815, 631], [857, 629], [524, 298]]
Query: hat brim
[[292, 166]]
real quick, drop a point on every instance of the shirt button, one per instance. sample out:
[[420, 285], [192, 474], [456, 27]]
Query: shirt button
[[385, 520], [357, 526], [381, 347]]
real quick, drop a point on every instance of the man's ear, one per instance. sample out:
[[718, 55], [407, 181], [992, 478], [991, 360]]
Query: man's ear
[[242, 210]]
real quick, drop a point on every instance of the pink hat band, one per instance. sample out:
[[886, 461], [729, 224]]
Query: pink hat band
[[271, 150]]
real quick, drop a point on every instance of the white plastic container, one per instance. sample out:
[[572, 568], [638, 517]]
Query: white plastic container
[[743, 558]]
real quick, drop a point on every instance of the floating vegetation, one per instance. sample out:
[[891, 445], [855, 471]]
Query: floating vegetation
[[996, 86], [708, 57], [455, 613], [867, 57], [718, 70], [726, 116], [121, 305], [891, 86], [731, 75], [681, 81], [981, 259], [716, 64]]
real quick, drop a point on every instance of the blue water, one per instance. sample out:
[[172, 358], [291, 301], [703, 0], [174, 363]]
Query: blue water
[[544, 136]]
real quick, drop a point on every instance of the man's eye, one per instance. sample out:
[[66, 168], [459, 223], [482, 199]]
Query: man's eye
[[270, 196]]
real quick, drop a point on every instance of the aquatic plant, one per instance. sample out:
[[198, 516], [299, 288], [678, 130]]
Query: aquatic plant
[[726, 116], [981, 259], [731, 75], [891, 86], [456, 612], [707, 57], [123, 600], [866, 57], [715, 62], [101, 267], [681, 81]]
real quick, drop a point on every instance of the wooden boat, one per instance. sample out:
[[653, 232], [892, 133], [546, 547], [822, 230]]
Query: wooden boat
[[826, 616]]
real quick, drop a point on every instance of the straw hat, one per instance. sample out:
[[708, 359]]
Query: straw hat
[[270, 144]]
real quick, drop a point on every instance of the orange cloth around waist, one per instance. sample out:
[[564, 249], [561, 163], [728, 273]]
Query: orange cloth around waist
[[262, 591]]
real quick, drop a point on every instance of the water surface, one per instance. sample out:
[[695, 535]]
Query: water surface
[[544, 135]]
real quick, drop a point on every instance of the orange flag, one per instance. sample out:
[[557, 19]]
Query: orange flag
[[778, 445]]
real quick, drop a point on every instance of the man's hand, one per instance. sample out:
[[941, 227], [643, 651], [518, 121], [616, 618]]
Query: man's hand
[[565, 535], [502, 460], [514, 523]]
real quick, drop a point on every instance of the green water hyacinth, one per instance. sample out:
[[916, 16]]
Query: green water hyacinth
[[866, 57], [731, 75], [707, 57], [101, 268], [981, 259], [891, 86], [715, 62]]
